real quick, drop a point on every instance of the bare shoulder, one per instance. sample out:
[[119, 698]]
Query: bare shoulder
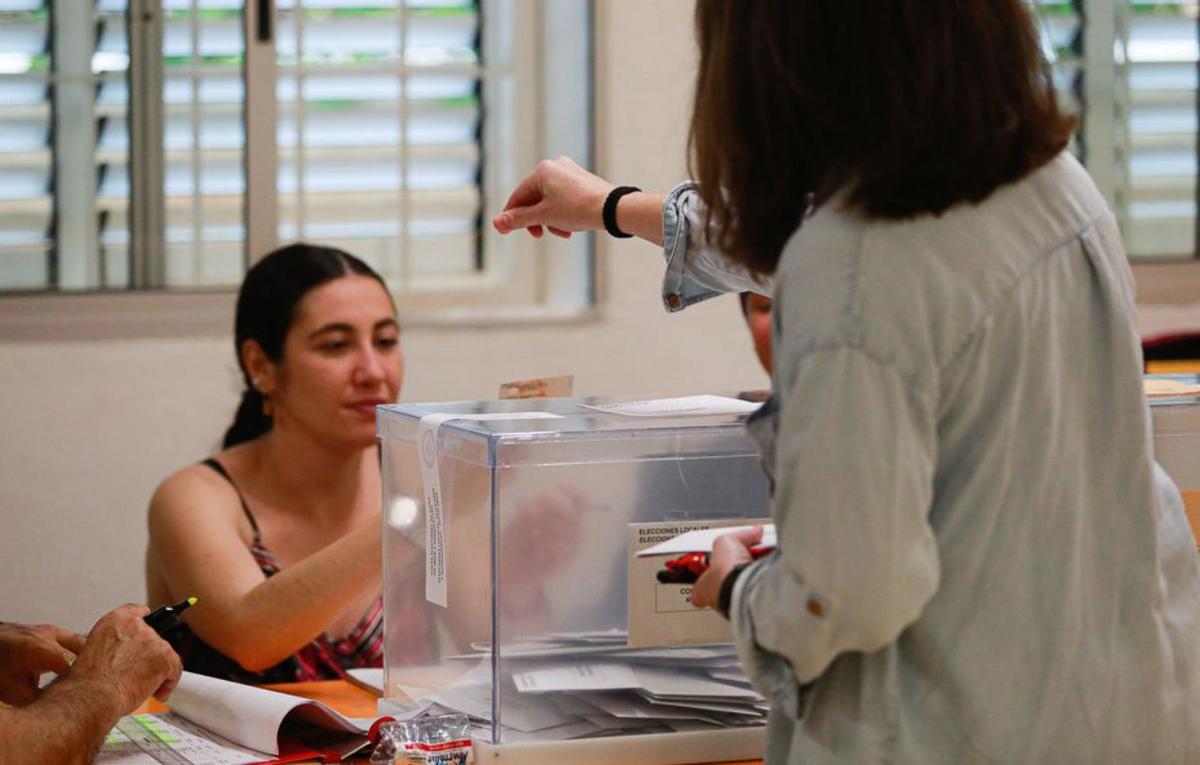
[[191, 493], [191, 481]]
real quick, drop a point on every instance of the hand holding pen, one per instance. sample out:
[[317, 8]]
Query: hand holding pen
[[127, 658]]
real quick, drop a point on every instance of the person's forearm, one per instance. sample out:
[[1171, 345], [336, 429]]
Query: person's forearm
[[640, 213], [66, 724], [290, 608]]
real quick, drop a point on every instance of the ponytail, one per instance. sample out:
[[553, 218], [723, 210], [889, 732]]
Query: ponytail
[[266, 307], [249, 423]]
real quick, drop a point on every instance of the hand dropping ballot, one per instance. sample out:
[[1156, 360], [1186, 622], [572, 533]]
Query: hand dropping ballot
[[701, 541], [660, 608]]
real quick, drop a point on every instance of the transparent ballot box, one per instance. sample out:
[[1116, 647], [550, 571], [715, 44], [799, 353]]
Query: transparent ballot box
[[511, 589]]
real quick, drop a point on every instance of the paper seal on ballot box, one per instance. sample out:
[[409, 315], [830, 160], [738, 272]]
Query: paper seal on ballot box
[[662, 614]]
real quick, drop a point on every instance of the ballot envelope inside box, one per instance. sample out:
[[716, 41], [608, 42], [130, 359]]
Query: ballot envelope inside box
[[509, 531]]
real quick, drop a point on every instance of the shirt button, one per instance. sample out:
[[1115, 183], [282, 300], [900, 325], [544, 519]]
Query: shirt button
[[673, 301], [815, 608]]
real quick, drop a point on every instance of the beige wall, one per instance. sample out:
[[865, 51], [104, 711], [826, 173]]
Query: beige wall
[[90, 427]]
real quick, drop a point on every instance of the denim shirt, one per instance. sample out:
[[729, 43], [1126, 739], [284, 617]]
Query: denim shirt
[[695, 271], [979, 560]]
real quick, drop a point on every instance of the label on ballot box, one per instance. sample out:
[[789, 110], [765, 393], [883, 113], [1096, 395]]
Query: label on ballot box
[[660, 613]]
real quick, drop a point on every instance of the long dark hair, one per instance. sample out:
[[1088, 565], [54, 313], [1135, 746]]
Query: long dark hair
[[906, 106], [266, 308]]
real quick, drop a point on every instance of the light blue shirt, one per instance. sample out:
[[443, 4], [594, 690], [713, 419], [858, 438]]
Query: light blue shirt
[[979, 559]]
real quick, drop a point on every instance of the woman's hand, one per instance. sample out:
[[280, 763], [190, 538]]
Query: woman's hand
[[729, 550], [558, 195]]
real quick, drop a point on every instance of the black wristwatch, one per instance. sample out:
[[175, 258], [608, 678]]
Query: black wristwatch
[[725, 597]]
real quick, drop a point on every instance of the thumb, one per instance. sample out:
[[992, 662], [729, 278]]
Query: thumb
[[749, 537], [521, 217], [51, 658]]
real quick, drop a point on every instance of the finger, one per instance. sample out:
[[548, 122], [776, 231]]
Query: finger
[[700, 597], [174, 672], [559, 232], [524, 216], [72, 641], [51, 658], [535, 231], [164, 691]]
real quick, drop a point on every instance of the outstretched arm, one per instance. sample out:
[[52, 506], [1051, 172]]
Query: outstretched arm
[[561, 196], [257, 621]]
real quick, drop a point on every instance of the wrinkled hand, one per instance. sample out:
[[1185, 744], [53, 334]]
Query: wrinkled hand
[[729, 550], [122, 651], [26, 652], [558, 195]]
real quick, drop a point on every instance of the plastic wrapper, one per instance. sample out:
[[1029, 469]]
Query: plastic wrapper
[[437, 740]]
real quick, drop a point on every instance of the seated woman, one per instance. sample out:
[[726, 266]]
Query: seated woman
[[278, 534]]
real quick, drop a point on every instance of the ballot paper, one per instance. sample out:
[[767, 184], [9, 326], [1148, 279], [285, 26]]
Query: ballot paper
[[368, 678], [683, 406], [571, 685], [701, 540], [592, 676]]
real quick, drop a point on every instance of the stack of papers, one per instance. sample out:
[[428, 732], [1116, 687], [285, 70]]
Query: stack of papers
[[589, 684]]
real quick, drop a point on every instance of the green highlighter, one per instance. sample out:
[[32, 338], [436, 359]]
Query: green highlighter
[[164, 618]]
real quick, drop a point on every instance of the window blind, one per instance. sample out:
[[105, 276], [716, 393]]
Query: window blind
[[380, 142], [62, 154], [1127, 69]]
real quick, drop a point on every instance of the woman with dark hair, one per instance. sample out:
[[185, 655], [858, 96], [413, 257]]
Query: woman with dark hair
[[979, 560], [278, 533]]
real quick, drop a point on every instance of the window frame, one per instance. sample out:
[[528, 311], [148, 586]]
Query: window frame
[[548, 280]]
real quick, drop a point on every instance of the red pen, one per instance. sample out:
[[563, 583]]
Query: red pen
[[688, 567]]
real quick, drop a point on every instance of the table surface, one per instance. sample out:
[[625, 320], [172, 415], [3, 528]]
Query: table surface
[[340, 695]]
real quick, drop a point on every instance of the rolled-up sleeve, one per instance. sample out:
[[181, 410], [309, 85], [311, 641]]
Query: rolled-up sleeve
[[857, 558], [695, 271]]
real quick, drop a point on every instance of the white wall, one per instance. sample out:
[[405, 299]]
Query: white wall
[[90, 427]]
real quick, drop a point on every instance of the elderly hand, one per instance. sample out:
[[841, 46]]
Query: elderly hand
[[123, 652], [558, 195], [729, 550], [28, 651]]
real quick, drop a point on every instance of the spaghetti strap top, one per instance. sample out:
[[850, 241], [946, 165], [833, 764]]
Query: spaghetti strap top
[[323, 658]]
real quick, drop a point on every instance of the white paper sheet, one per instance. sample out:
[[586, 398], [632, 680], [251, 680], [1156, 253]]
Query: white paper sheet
[[709, 704], [626, 706], [665, 682], [701, 540], [683, 406], [246, 715], [366, 678], [576, 677]]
